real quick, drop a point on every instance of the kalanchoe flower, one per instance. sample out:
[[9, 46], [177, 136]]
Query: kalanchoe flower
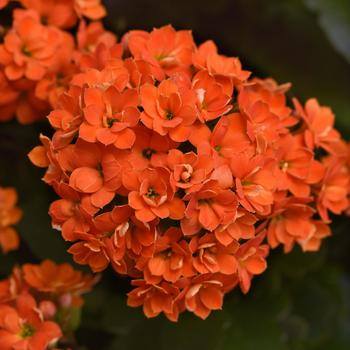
[[9, 215], [172, 165]]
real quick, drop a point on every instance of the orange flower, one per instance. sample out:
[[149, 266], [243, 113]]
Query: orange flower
[[66, 118], [263, 126], [92, 252], [227, 70], [24, 328], [313, 242], [164, 47], [206, 293], [291, 222], [29, 48], [334, 188], [90, 36], [9, 215], [92, 9], [212, 101], [320, 124], [57, 13], [171, 260], [242, 227], [210, 256], [297, 169], [49, 277], [149, 149], [228, 138], [251, 260], [94, 171], [109, 116], [155, 299], [188, 169], [255, 182], [167, 109], [208, 208], [151, 195]]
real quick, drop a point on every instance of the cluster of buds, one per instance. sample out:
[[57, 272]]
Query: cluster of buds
[[9, 215], [39, 305], [39, 55], [179, 170]]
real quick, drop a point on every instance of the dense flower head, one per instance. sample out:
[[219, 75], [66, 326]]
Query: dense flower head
[[10, 215], [39, 55], [177, 169], [38, 304]]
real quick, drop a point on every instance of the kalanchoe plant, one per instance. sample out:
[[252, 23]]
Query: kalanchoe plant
[[173, 164], [178, 169]]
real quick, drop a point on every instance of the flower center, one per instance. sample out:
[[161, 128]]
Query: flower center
[[27, 331], [148, 152], [110, 122], [151, 193], [283, 165], [169, 115], [26, 52]]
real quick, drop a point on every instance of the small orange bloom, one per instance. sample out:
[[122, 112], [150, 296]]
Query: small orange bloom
[[209, 207], [9, 215], [297, 168], [188, 169], [242, 227], [210, 256], [320, 124], [92, 9], [155, 299], [29, 48], [57, 13], [24, 328], [227, 70], [255, 182], [171, 260], [164, 47], [206, 293], [49, 277], [109, 116], [251, 258], [167, 109], [151, 195], [90, 36], [212, 102], [334, 188], [291, 222]]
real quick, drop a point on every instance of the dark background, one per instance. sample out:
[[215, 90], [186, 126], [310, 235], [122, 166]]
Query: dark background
[[303, 300]]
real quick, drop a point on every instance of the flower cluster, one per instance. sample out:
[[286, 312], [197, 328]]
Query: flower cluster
[[39, 56], [9, 215], [179, 170], [38, 305]]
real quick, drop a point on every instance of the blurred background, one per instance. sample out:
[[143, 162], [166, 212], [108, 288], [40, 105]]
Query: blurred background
[[303, 300]]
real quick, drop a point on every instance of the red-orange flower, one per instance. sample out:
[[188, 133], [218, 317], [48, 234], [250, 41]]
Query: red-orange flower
[[151, 195], [29, 48], [167, 109], [208, 208], [9, 215], [155, 299], [164, 47], [24, 328], [109, 116], [251, 258]]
